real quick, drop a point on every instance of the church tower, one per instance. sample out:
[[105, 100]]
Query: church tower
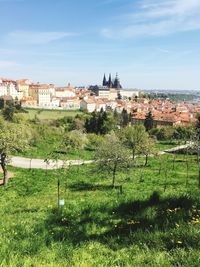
[[104, 80], [117, 84], [110, 84]]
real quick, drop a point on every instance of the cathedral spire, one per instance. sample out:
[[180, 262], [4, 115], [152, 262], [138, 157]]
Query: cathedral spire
[[110, 81], [104, 80], [117, 82]]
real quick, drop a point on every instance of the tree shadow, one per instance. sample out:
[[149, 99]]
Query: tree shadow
[[124, 224], [82, 186]]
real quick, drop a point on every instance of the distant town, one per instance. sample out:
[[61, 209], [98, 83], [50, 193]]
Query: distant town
[[110, 95]]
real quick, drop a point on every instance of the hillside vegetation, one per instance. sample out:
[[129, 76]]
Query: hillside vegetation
[[154, 222]]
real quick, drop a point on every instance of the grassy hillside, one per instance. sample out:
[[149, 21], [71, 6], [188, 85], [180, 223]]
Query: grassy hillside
[[155, 222]]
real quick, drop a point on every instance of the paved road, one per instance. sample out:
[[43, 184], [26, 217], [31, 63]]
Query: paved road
[[28, 163]]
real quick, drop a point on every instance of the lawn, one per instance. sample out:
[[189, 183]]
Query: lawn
[[163, 145], [43, 114], [45, 147], [155, 222]]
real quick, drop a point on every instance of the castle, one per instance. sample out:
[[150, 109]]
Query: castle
[[112, 83]]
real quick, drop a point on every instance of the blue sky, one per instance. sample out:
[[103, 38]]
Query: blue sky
[[150, 43]]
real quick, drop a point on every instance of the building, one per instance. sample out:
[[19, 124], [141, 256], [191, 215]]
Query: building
[[28, 101], [70, 103], [42, 93], [67, 91], [3, 88], [23, 86], [100, 91], [128, 93], [88, 104]]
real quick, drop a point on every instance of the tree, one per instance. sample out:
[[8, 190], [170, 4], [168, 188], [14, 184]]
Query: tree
[[8, 112], [100, 122], [124, 118], [134, 137], [112, 156], [74, 140], [195, 144], [146, 148], [12, 138], [94, 141], [148, 123]]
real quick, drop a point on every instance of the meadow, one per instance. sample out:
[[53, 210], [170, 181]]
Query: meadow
[[45, 114], [154, 222]]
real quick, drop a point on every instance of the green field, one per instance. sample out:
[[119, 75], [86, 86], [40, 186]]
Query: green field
[[43, 114], [98, 226]]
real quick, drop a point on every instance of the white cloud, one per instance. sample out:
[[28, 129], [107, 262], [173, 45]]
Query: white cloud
[[36, 38], [155, 18]]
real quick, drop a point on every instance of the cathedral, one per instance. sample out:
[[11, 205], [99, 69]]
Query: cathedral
[[112, 83]]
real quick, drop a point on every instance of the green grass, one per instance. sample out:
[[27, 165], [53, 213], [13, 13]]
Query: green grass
[[43, 114], [48, 144], [43, 148], [163, 145], [98, 226]]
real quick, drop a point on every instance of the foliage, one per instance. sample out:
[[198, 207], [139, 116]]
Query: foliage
[[9, 108], [111, 155], [148, 123], [12, 138], [100, 122], [94, 141], [172, 132], [8, 112], [146, 148], [124, 118], [134, 137], [74, 140]]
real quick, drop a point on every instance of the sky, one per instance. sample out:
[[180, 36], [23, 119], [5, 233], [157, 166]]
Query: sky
[[152, 44]]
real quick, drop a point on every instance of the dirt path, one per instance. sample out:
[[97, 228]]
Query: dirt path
[[10, 175]]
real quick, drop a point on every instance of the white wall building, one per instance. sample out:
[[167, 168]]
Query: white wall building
[[88, 104], [3, 88], [65, 92], [55, 102], [44, 97], [129, 93]]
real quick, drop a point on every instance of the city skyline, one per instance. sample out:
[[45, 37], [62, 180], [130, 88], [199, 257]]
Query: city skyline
[[150, 44]]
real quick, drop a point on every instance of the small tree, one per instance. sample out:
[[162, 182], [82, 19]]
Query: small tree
[[124, 118], [8, 112], [111, 156], [12, 138], [134, 137], [74, 140], [146, 148]]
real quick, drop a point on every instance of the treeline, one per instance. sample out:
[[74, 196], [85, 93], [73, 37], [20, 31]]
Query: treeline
[[171, 133], [9, 108], [100, 123]]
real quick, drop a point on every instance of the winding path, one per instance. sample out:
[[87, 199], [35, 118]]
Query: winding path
[[28, 163]]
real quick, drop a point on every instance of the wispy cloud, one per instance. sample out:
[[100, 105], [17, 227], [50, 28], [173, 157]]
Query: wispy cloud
[[36, 38], [156, 18]]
